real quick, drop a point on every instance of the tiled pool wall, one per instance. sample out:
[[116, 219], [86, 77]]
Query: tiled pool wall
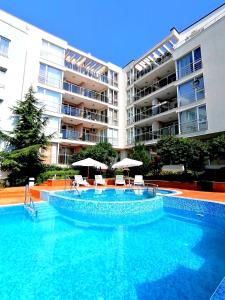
[[168, 202], [219, 293], [129, 212]]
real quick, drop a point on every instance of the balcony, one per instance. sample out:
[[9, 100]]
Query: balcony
[[188, 69], [156, 110], [86, 137], [85, 114], [151, 136], [153, 65], [155, 86], [75, 89], [194, 126], [86, 72], [80, 136]]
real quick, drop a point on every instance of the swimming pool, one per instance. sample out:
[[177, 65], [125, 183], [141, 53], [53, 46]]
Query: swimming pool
[[179, 255], [110, 206]]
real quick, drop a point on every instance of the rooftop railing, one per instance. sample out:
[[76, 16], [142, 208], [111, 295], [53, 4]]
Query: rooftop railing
[[84, 71], [156, 110], [70, 87], [159, 61], [83, 113], [155, 86], [189, 68]]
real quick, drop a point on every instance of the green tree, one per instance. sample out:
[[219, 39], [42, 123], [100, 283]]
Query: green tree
[[189, 152], [216, 147], [102, 152], [22, 156], [139, 152]]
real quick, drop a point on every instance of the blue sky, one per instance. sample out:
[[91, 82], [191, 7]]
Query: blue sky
[[113, 30]]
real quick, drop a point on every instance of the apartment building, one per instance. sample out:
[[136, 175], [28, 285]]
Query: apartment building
[[175, 88]]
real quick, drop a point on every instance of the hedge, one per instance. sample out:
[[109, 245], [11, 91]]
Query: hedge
[[56, 174]]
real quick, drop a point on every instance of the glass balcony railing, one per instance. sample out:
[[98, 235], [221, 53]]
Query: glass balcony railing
[[154, 110], [159, 61], [86, 137], [194, 126], [155, 86], [157, 134], [70, 87], [84, 71], [188, 69], [77, 112]]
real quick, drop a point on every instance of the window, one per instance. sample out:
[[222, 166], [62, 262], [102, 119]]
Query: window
[[50, 76], [113, 117], [130, 136], [191, 91], [130, 116], [4, 46], [112, 136], [53, 126], [129, 96], [52, 52], [189, 63], [113, 78], [113, 97], [50, 99], [193, 120]]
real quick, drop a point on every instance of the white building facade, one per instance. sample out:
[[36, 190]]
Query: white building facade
[[176, 88]]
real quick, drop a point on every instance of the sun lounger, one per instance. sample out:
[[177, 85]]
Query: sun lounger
[[120, 180], [99, 180]]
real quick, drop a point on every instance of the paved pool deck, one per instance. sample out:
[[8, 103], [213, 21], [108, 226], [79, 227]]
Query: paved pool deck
[[15, 195]]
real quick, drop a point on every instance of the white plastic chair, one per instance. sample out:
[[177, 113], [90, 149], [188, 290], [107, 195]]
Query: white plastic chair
[[120, 180], [99, 180], [138, 180], [78, 180]]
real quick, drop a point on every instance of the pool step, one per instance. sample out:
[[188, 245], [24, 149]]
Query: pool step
[[45, 211]]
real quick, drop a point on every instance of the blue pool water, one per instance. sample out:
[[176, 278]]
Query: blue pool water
[[177, 256]]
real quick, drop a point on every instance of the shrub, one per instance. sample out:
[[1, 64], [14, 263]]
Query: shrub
[[56, 174]]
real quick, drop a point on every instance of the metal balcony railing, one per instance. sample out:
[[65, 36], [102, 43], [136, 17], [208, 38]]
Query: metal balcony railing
[[159, 61], [154, 110], [188, 69], [84, 71], [85, 114], [70, 87], [155, 86]]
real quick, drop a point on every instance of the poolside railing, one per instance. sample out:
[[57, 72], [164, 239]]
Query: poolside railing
[[29, 203]]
